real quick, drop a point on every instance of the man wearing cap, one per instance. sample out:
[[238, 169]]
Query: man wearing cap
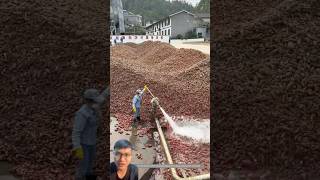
[[122, 168], [84, 132], [136, 104]]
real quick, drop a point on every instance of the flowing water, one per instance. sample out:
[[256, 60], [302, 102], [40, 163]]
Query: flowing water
[[199, 131]]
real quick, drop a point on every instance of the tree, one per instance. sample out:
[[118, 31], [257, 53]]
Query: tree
[[203, 6], [155, 9], [136, 30]]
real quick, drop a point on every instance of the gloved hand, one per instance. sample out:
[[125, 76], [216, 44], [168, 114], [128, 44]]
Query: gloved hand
[[134, 109], [78, 153], [145, 87]]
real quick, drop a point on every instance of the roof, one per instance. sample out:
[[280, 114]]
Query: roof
[[130, 13], [171, 16], [203, 15], [181, 12], [133, 15]]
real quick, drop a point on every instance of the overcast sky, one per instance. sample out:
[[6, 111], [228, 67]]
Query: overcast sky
[[193, 2]]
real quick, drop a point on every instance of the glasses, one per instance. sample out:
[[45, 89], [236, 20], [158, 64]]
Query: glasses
[[118, 155]]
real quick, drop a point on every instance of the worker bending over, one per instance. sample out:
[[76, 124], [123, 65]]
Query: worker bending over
[[155, 106]]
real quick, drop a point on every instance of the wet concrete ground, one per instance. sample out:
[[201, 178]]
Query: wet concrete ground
[[197, 44], [148, 154], [5, 171]]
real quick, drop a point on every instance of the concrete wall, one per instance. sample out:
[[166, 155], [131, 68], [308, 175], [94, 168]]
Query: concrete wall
[[138, 38], [182, 23]]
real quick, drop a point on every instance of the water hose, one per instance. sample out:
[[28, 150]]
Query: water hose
[[168, 155]]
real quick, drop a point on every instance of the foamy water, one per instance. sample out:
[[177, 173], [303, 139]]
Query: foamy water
[[199, 131]]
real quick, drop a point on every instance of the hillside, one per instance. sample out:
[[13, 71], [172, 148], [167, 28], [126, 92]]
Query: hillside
[[158, 9]]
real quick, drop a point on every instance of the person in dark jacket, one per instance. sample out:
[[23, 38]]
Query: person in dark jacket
[[122, 168], [84, 133]]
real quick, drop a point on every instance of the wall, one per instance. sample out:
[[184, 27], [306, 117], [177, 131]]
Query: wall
[[162, 28], [182, 23], [139, 39]]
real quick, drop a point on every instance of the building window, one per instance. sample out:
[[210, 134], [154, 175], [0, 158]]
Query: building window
[[169, 32]]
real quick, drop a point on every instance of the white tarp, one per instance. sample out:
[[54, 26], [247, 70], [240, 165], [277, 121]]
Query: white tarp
[[138, 38]]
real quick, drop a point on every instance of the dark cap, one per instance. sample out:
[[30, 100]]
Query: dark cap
[[93, 94]]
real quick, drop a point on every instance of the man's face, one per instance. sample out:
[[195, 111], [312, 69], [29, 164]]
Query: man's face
[[123, 158]]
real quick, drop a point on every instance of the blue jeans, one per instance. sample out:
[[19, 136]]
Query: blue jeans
[[85, 166], [137, 113]]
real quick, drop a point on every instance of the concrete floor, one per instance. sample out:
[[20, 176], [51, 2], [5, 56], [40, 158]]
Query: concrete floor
[[197, 44], [5, 174], [148, 154]]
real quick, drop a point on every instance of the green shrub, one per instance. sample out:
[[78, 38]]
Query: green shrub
[[191, 35], [179, 36]]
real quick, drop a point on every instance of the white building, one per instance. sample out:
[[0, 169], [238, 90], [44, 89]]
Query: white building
[[178, 23]]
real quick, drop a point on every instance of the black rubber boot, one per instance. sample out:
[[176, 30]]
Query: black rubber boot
[[138, 121], [134, 124]]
